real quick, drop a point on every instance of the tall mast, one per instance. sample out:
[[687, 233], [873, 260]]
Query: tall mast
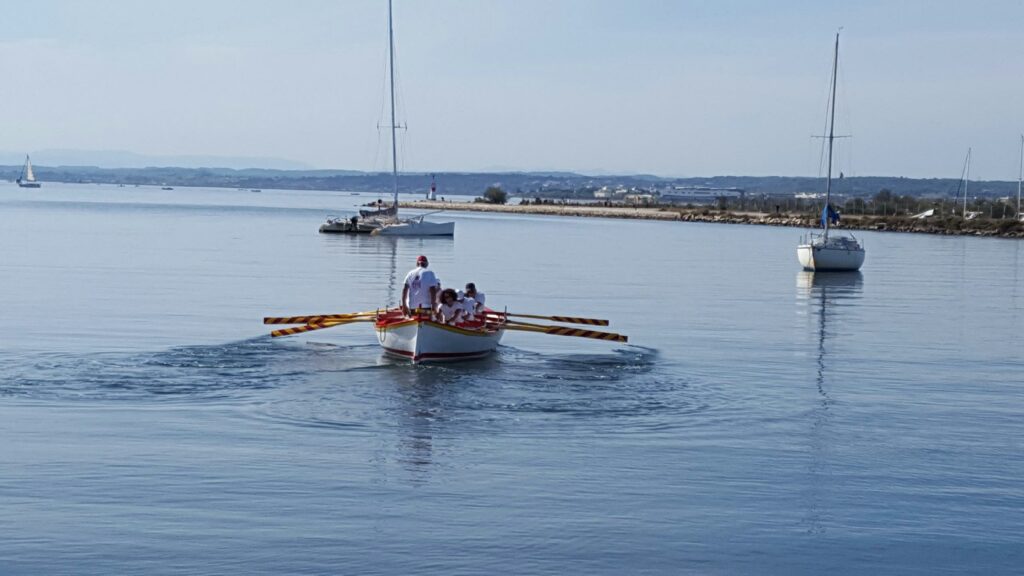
[[831, 136], [967, 178], [394, 142], [1020, 175]]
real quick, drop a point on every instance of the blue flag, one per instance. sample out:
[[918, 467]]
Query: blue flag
[[829, 213]]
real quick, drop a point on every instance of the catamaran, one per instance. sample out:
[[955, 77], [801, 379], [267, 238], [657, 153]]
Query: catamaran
[[389, 224], [28, 177], [830, 252]]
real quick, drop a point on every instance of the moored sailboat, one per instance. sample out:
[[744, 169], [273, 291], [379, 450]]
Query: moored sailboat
[[395, 226], [386, 222], [28, 176], [834, 252]]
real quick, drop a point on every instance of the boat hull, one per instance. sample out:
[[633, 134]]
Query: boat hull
[[341, 226], [418, 228], [29, 184], [428, 341], [829, 258]]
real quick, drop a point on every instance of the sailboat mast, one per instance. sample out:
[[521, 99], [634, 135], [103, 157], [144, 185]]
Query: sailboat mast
[[831, 136], [1020, 175], [394, 127], [967, 178]]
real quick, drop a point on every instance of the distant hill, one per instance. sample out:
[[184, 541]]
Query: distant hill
[[533, 184]]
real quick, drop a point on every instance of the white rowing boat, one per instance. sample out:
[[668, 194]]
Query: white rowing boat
[[421, 339]]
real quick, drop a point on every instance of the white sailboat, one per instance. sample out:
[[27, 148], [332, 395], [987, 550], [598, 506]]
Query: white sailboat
[[394, 226], [1020, 178], [28, 177], [836, 252]]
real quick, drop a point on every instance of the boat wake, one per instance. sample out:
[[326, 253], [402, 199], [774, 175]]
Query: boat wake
[[182, 373], [326, 385]]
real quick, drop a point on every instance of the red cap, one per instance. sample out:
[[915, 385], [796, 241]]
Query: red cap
[[421, 259]]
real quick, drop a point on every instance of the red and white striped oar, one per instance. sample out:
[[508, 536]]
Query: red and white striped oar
[[566, 319]]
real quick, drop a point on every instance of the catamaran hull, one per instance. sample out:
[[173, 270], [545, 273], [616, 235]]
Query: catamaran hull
[[346, 227], [428, 341], [415, 228], [829, 259]]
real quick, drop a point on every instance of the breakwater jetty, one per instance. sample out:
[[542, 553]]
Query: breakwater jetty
[[951, 225]]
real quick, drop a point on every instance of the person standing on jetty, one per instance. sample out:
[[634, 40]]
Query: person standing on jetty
[[421, 287]]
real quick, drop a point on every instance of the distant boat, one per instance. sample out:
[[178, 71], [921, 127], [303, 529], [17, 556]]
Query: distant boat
[[393, 226], [836, 252], [28, 177], [432, 194], [167, 188], [965, 178]]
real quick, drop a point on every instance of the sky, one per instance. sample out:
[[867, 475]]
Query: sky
[[670, 87]]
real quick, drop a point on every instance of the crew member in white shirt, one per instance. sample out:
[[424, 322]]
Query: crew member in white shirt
[[450, 311], [421, 288], [468, 306], [479, 299]]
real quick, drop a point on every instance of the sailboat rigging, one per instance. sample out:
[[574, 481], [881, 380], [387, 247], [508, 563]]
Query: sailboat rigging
[[28, 176], [1020, 178], [835, 252], [385, 221]]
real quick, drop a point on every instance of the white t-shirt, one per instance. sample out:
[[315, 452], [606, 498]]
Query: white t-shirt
[[419, 282], [450, 314], [469, 307], [480, 298]]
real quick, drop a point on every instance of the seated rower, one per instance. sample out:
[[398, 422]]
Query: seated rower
[[450, 311], [479, 299]]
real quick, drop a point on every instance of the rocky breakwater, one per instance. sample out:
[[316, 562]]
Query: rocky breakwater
[[1004, 228]]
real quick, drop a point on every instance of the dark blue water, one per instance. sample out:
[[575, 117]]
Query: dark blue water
[[761, 420]]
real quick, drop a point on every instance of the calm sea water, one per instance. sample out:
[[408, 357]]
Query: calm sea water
[[762, 420]]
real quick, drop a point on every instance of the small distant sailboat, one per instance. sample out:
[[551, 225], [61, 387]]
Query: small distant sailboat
[[965, 179], [28, 177], [834, 252], [432, 194]]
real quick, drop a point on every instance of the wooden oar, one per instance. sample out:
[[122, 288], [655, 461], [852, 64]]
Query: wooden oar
[[315, 326], [317, 317], [567, 319], [565, 331]]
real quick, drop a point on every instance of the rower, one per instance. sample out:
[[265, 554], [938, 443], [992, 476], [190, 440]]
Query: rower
[[477, 297], [420, 289], [450, 311]]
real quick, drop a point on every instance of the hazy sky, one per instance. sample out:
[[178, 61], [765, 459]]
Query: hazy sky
[[672, 88]]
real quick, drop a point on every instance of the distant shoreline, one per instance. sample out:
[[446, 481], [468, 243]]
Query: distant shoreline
[[949, 227]]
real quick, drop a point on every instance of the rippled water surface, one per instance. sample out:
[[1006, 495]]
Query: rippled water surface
[[761, 420]]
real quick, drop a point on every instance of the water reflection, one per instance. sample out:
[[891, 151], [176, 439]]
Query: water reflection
[[373, 258], [826, 293]]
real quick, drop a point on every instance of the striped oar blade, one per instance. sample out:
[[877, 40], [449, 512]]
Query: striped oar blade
[[313, 326], [565, 331], [566, 319], [316, 318]]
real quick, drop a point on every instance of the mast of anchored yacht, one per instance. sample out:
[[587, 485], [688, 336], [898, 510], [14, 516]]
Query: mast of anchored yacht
[[967, 178], [1020, 175], [394, 127], [831, 138]]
